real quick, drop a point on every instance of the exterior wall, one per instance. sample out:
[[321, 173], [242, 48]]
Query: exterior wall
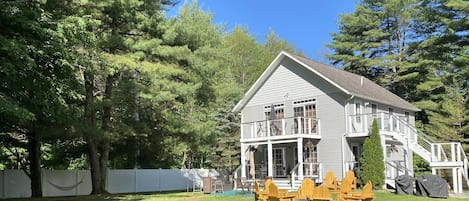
[[330, 109], [292, 82]]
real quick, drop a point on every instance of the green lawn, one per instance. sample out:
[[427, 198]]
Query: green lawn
[[380, 196]]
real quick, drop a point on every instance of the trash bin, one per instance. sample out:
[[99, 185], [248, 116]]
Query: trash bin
[[404, 185], [207, 184], [431, 186]]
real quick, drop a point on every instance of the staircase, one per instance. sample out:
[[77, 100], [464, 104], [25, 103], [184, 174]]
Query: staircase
[[444, 156]]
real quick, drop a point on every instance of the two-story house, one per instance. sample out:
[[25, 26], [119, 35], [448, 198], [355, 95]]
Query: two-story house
[[302, 118]]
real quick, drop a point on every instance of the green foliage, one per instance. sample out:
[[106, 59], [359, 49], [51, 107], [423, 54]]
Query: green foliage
[[417, 49], [372, 159], [172, 114]]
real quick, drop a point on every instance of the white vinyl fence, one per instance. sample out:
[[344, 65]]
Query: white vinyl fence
[[15, 183]]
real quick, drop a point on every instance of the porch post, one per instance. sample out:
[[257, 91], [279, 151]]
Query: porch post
[[300, 158], [383, 145], [243, 160], [406, 157], [270, 161]]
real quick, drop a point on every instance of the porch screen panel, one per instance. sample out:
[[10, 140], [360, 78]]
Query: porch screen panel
[[311, 165]]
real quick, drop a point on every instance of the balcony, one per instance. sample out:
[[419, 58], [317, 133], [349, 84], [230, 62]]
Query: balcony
[[388, 124], [282, 128]]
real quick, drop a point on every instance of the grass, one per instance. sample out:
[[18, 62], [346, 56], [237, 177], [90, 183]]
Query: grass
[[182, 196]]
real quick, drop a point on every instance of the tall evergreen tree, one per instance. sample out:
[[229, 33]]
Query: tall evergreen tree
[[37, 80], [372, 159]]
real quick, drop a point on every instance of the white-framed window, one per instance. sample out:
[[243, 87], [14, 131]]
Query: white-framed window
[[278, 110], [304, 113], [274, 114], [358, 112]]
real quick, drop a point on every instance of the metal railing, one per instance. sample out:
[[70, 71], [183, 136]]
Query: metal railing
[[281, 127]]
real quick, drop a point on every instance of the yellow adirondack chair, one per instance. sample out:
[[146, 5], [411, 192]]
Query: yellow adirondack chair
[[275, 196], [258, 194], [350, 176], [306, 189], [330, 182], [365, 195], [321, 193]]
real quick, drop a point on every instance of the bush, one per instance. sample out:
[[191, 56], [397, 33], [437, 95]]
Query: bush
[[372, 159]]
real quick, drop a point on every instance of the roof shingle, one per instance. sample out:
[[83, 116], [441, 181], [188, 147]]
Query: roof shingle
[[357, 85]]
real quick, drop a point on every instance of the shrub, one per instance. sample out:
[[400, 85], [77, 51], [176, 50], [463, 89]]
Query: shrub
[[372, 159]]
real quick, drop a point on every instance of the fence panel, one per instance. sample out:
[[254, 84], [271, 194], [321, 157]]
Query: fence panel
[[147, 180], [66, 182], [121, 181], [17, 184]]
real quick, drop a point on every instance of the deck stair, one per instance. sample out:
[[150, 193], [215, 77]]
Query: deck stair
[[440, 155]]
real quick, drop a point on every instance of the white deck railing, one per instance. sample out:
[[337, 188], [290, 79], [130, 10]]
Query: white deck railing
[[282, 127]]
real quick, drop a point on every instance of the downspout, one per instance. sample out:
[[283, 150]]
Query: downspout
[[346, 104]]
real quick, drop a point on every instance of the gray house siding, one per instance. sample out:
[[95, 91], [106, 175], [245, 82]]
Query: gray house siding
[[292, 82], [330, 109], [288, 83]]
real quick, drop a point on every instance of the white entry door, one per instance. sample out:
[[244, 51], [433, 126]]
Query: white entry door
[[279, 162]]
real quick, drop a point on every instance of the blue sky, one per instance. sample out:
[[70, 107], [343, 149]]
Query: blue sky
[[307, 24]]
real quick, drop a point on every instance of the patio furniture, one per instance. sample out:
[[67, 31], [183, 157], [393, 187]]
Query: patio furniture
[[306, 189], [365, 195], [321, 193], [258, 194], [242, 185], [350, 176], [218, 186], [275, 196], [330, 182]]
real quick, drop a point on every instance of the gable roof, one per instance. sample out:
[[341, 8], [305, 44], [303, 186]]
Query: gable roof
[[349, 83]]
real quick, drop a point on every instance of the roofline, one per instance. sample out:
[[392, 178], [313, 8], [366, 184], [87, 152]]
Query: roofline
[[414, 109], [275, 63], [248, 95], [319, 74]]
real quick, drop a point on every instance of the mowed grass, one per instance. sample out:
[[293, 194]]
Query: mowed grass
[[183, 196]]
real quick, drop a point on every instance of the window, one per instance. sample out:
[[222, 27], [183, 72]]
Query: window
[[274, 114], [407, 117], [374, 109], [358, 112], [305, 118]]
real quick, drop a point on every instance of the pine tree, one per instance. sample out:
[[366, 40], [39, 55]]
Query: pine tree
[[372, 159]]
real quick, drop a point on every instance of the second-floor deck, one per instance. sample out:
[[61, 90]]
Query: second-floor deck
[[388, 124], [283, 128]]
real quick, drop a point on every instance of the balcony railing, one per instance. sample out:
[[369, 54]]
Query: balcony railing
[[386, 122], [282, 127]]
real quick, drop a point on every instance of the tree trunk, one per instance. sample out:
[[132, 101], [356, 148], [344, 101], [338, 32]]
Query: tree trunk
[[90, 123], [34, 150], [95, 169], [106, 127]]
